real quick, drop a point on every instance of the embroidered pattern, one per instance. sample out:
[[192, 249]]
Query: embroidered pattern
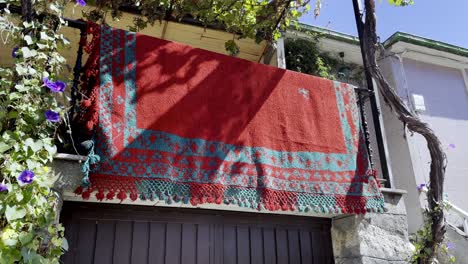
[[152, 164]]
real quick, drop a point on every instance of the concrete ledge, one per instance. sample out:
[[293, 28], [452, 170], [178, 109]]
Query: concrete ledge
[[71, 157], [393, 191], [67, 170]]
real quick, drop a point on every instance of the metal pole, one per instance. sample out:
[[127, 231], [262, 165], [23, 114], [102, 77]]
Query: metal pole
[[372, 99]]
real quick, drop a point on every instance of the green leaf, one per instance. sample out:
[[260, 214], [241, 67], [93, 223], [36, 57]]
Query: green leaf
[[51, 149], [21, 70], [28, 40], [27, 53], [9, 237], [19, 196], [26, 237], [14, 213], [44, 36], [231, 47], [4, 147], [42, 46], [27, 24], [34, 145], [22, 88], [9, 255], [57, 241]]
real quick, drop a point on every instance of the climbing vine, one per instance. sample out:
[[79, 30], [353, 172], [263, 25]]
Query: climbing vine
[[29, 117], [430, 239]]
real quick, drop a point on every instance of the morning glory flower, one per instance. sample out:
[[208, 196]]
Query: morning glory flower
[[3, 187], [26, 177], [52, 116], [421, 187], [13, 52], [81, 2], [56, 87], [450, 245]]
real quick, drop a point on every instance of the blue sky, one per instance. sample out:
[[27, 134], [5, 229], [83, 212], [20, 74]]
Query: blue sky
[[445, 20]]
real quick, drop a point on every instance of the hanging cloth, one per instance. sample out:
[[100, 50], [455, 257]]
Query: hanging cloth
[[181, 124]]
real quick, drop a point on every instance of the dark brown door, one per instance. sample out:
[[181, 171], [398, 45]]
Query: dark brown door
[[101, 234]]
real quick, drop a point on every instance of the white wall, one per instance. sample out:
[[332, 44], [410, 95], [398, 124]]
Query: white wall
[[446, 100], [399, 151]]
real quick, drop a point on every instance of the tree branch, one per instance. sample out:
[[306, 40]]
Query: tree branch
[[414, 124]]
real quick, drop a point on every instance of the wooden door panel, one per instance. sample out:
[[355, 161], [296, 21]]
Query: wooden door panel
[[123, 249], [100, 233]]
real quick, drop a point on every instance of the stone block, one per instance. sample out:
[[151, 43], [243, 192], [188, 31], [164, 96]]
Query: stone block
[[374, 237], [393, 224], [68, 173], [366, 260], [394, 203], [382, 244]]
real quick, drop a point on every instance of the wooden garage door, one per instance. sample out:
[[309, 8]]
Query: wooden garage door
[[99, 233]]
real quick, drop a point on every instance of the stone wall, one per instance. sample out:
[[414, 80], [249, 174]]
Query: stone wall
[[373, 238]]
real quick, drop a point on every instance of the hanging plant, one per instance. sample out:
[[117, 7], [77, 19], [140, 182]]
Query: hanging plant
[[29, 117]]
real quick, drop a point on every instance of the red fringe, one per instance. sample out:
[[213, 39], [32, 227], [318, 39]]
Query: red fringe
[[275, 200], [88, 114], [109, 187], [206, 193]]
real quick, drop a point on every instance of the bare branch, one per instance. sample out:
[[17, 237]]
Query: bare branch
[[414, 124]]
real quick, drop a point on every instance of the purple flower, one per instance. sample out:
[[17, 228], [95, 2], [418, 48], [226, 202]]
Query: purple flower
[[450, 245], [421, 186], [13, 52], [3, 187], [52, 116], [26, 177], [81, 2], [452, 146], [56, 86]]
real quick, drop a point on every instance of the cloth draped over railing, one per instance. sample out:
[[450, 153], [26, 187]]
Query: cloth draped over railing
[[181, 124]]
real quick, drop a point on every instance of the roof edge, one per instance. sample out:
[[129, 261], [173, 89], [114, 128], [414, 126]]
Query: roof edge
[[330, 34], [425, 42], [393, 39]]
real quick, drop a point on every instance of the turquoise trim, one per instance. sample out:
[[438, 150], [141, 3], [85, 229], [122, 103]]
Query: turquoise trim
[[106, 92], [165, 142], [170, 192], [130, 86], [169, 173]]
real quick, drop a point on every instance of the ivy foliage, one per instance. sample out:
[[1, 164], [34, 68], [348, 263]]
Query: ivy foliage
[[30, 232], [304, 55], [422, 236], [255, 19], [400, 2]]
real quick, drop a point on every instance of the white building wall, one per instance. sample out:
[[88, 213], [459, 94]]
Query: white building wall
[[446, 101], [402, 165]]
